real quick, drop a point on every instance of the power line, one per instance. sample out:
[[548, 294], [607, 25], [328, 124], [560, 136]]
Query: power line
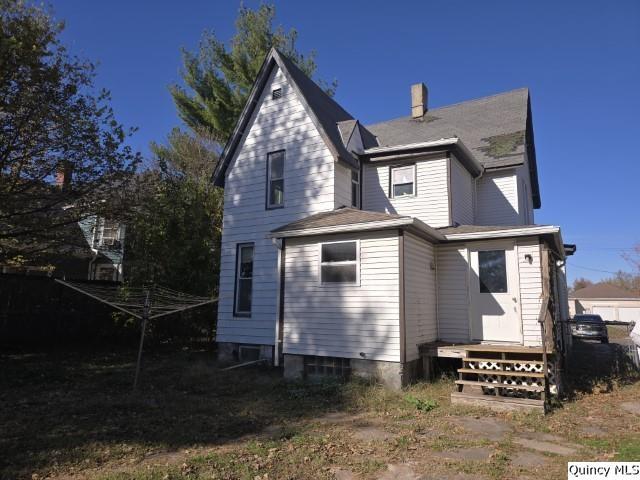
[[592, 269]]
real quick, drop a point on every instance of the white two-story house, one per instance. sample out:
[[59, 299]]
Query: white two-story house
[[364, 249]]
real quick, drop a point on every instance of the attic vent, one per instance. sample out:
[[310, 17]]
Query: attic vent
[[276, 94]]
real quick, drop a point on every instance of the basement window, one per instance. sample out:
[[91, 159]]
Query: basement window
[[276, 93], [403, 181], [332, 366], [339, 262], [248, 353]]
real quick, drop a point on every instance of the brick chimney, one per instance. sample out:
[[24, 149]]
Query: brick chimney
[[63, 176], [419, 100]]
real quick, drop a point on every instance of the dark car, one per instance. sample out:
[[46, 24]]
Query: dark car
[[591, 327]]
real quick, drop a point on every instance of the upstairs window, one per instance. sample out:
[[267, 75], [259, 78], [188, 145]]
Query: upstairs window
[[109, 233], [355, 189], [403, 181], [244, 279], [339, 262], [275, 179]]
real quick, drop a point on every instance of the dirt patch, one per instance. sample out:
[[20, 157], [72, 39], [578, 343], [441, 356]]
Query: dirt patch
[[399, 472], [474, 453], [529, 459], [543, 446], [631, 407], [371, 434], [490, 428]]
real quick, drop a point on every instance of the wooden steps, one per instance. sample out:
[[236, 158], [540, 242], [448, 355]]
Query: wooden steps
[[502, 376], [527, 388], [502, 373]]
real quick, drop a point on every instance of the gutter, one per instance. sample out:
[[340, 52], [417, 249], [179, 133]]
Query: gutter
[[413, 224], [412, 150]]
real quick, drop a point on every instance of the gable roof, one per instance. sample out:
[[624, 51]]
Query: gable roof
[[325, 112], [497, 129], [603, 290]]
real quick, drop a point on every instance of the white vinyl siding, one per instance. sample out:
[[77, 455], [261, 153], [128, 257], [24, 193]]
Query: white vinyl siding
[[453, 293], [276, 124], [530, 290], [430, 202], [343, 320], [419, 294], [497, 199], [462, 192]]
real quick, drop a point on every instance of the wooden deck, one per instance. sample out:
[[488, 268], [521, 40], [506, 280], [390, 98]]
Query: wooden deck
[[461, 350]]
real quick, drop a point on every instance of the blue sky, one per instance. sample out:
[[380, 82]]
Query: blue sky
[[581, 60]]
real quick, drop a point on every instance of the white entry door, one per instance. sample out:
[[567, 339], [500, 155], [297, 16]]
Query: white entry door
[[494, 287]]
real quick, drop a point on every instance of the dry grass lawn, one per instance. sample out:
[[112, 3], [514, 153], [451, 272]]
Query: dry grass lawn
[[71, 415]]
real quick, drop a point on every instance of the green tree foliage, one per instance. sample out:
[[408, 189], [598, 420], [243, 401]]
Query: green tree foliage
[[52, 120], [218, 80], [174, 235]]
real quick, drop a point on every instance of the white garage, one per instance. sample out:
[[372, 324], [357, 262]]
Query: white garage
[[610, 302], [629, 314]]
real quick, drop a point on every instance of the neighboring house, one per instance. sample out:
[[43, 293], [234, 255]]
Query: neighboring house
[[610, 302], [353, 249], [93, 250]]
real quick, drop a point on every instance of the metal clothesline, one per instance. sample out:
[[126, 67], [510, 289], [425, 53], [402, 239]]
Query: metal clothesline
[[144, 303]]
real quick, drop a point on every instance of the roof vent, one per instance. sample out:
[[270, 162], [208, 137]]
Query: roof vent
[[419, 100]]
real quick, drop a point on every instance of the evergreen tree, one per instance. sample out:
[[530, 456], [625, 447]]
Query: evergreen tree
[[218, 80]]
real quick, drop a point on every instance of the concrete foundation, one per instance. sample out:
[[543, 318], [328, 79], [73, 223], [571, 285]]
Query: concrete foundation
[[393, 375], [236, 352]]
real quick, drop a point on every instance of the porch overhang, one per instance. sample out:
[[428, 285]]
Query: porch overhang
[[550, 233]]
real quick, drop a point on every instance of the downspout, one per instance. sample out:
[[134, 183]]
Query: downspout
[[277, 346], [403, 329]]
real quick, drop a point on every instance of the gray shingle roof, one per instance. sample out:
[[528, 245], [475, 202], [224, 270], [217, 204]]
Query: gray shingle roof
[[334, 218], [493, 128], [603, 290], [325, 108]]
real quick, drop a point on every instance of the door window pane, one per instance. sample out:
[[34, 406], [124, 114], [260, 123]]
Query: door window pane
[[492, 271]]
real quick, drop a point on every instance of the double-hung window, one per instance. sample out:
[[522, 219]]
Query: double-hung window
[[339, 262], [403, 181], [275, 179], [244, 279], [355, 189]]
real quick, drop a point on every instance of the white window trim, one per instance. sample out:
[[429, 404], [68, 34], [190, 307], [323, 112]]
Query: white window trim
[[350, 262], [391, 184], [270, 205], [358, 183], [101, 242], [239, 247]]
